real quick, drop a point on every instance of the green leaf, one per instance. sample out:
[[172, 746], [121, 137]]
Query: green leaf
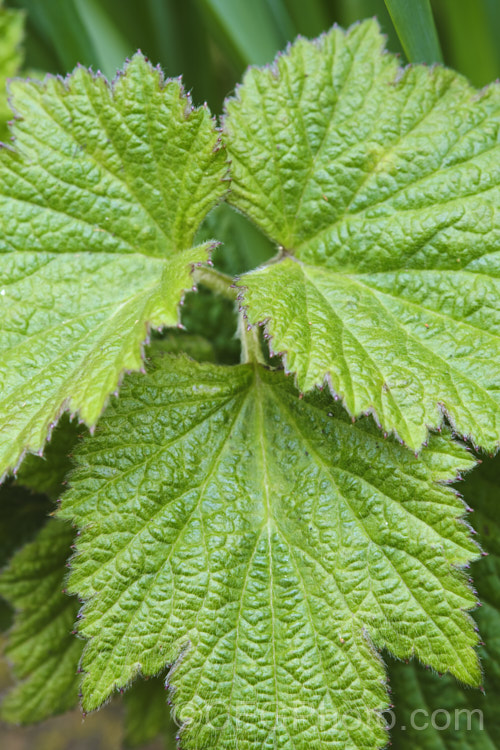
[[146, 713], [382, 186], [99, 205], [43, 651], [263, 544], [11, 34], [418, 694]]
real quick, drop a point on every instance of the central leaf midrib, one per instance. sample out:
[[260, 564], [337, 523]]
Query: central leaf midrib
[[261, 396]]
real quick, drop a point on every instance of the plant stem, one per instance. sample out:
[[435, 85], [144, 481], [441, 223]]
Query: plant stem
[[215, 281], [251, 349]]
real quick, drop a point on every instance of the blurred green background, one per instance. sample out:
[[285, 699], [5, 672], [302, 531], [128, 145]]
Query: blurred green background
[[211, 42]]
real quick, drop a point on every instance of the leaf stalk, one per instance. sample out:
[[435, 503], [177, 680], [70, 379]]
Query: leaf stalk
[[216, 281], [251, 348]]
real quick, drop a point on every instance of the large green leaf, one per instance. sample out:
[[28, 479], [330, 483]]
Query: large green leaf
[[43, 651], [383, 188], [263, 544], [466, 719], [99, 206], [11, 33]]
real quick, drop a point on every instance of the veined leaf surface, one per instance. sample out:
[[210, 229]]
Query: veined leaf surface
[[265, 546], [99, 205], [382, 186]]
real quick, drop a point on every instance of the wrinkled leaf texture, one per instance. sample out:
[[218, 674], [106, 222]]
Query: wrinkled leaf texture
[[99, 204], [382, 186], [265, 547]]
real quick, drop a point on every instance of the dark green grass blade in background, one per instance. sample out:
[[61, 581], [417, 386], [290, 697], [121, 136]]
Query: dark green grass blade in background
[[109, 44], [212, 41], [251, 31], [351, 11], [312, 17], [414, 24]]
